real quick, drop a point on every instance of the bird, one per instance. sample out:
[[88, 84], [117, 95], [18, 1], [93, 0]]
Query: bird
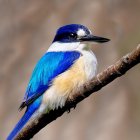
[[68, 63]]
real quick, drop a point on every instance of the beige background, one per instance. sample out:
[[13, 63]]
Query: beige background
[[27, 29]]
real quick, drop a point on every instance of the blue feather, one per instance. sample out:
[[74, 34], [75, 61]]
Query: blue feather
[[63, 33], [29, 112], [49, 66]]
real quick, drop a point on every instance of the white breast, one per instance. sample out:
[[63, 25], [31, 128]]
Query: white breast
[[66, 84], [90, 61]]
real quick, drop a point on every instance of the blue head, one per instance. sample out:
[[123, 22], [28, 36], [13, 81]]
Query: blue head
[[76, 33]]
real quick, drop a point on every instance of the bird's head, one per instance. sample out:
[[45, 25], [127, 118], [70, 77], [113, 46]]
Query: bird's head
[[76, 33], [67, 37]]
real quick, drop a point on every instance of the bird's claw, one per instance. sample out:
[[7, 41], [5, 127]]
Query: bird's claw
[[68, 110]]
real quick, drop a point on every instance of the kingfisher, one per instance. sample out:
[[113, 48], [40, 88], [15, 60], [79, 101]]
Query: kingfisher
[[61, 71]]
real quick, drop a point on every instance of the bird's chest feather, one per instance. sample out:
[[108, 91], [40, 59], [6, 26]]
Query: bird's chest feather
[[70, 80], [67, 83]]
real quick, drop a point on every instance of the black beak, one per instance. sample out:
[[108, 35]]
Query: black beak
[[92, 38]]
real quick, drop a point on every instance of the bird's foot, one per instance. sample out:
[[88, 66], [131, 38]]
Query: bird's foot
[[68, 110]]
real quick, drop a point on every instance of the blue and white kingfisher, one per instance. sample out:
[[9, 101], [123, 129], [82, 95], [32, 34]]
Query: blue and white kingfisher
[[64, 68]]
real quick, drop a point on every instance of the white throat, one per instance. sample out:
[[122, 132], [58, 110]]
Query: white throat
[[57, 46], [74, 46]]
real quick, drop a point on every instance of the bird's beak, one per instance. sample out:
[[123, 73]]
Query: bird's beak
[[92, 38]]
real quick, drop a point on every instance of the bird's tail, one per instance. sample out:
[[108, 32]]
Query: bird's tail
[[28, 114], [20, 124]]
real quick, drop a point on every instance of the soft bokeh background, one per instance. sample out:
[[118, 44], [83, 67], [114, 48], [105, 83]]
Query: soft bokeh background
[[27, 29]]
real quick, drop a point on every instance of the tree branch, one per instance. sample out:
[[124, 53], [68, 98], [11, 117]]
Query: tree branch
[[112, 72]]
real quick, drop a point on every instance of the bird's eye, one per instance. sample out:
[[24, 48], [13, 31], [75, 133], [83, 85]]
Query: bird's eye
[[72, 35]]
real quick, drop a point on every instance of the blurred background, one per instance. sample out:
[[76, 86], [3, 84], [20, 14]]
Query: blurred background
[[27, 29]]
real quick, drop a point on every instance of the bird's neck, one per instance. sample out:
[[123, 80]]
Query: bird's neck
[[74, 46], [90, 61]]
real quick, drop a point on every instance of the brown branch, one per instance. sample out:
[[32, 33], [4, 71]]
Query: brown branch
[[118, 69]]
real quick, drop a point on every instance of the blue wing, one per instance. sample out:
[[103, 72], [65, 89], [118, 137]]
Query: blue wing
[[49, 66]]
